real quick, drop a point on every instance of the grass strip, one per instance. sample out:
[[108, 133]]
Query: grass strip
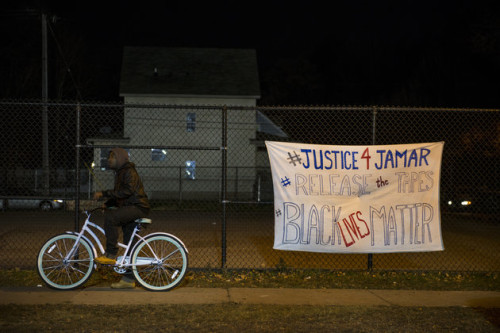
[[246, 318], [312, 279]]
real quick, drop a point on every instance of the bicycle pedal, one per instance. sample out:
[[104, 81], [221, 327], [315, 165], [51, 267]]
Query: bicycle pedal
[[105, 261]]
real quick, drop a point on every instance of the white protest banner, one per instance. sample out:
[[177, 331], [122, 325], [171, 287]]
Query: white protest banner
[[356, 199]]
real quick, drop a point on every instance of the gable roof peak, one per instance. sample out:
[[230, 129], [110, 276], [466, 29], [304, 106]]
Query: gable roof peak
[[189, 71]]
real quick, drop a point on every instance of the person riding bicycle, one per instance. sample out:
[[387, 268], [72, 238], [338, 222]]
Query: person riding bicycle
[[130, 203]]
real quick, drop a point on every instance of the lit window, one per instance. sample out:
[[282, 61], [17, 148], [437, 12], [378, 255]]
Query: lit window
[[104, 158], [190, 170], [191, 122], [158, 154]]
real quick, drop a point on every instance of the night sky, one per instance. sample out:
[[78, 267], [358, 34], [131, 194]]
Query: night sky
[[411, 53]]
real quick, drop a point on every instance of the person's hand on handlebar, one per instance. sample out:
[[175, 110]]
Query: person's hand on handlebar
[[98, 195]]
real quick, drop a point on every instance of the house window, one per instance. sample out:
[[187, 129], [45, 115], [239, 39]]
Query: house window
[[191, 122], [158, 154], [190, 170], [104, 158]]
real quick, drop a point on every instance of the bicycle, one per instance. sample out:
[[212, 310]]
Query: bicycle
[[158, 260]]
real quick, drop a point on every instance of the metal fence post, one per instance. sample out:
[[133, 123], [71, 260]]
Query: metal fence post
[[180, 185], [374, 137], [224, 182], [45, 117], [77, 169]]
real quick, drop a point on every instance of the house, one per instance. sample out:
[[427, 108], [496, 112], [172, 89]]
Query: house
[[173, 99]]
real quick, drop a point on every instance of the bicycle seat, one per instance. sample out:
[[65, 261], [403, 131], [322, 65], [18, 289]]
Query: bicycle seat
[[143, 220]]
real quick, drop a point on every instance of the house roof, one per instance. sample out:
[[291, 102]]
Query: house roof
[[189, 71]]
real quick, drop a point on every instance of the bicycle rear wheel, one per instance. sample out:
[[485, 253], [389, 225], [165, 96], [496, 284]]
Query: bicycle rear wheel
[[160, 262], [63, 273]]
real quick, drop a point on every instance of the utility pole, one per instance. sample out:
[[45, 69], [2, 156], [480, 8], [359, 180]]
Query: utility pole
[[45, 118]]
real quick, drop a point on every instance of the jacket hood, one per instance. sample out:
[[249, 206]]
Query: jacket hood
[[121, 157]]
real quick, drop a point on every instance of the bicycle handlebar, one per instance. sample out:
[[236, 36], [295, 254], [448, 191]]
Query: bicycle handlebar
[[90, 211]]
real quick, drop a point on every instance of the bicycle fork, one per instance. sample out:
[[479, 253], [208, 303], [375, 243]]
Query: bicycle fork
[[79, 237]]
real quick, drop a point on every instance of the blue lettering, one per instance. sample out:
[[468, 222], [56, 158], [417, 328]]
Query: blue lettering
[[381, 152], [335, 153], [322, 226], [327, 157], [291, 229], [306, 151], [354, 160], [346, 165], [401, 156], [413, 157], [424, 152], [320, 167], [389, 158]]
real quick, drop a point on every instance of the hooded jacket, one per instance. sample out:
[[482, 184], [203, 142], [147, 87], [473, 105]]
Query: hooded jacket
[[128, 190]]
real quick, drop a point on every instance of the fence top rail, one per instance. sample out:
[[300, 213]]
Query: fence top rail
[[256, 108], [113, 105], [369, 108], [154, 147]]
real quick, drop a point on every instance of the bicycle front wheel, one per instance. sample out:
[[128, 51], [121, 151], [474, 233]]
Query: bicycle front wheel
[[159, 262], [61, 271]]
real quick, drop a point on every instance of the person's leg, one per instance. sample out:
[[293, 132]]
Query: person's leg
[[114, 218], [111, 230], [127, 230], [126, 218]]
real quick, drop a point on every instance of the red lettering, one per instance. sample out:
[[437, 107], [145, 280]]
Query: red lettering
[[381, 182], [366, 156], [347, 244], [366, 225], [352, 227]]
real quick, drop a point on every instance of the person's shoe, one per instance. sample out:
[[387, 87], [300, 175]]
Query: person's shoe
[[123, 285], [106, 260]]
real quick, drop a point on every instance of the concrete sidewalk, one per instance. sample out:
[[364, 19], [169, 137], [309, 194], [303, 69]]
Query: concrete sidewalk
[[108, 296]]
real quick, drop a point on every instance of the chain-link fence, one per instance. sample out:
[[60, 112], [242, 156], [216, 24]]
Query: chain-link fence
[[206, 172]]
